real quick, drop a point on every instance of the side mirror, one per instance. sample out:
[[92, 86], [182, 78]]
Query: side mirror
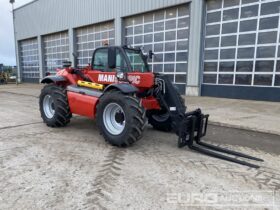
[[151, 54], [112, 52]]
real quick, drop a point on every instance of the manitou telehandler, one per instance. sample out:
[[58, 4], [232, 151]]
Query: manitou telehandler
[[120, 92]]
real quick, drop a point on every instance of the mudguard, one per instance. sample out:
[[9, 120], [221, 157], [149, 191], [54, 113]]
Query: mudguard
[[53, 79], [123, 87]]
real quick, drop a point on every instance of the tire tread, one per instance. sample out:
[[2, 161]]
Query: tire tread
[[63, 114], [138, 118]]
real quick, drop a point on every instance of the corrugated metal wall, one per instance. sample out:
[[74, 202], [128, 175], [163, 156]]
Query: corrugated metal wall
[[47, 16]]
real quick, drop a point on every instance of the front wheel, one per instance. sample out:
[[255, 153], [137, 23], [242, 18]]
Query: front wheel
[[120, 118]]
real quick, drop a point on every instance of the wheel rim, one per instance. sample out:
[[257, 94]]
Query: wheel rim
[[48, 106], [114, 118], [161, 117]]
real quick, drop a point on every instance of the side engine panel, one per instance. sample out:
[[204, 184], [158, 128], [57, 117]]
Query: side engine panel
[[82, 104], [83, 101]]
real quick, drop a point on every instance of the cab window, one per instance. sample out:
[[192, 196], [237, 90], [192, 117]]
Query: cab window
[[121, 64], [136, 60], [100, 61]]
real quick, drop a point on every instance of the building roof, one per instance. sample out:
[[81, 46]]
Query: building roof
[[25, 4]]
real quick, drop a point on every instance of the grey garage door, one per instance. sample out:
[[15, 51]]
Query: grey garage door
[[90, 37], [29, 60], [56, 50], [242, 55], [166, 32]]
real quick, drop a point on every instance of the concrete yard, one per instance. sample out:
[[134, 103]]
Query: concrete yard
[[73, 168], [261, 116]]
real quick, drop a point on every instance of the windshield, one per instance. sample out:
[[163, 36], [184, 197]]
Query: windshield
[[136, 59]]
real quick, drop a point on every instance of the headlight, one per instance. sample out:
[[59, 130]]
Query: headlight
[[121, 75]]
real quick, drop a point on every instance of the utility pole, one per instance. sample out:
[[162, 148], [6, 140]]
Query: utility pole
[[15, 40]]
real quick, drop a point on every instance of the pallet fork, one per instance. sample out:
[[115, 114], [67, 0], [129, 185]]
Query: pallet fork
[[194, 127], [191, 127]]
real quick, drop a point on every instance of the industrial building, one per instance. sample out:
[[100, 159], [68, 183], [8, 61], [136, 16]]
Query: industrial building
[[221, 48]]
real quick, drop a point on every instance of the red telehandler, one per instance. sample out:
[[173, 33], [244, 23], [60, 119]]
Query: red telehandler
[[120, 92]]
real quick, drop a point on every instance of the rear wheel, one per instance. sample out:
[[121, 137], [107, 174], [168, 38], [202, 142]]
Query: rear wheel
[[2, 81], [161, 120], [54, 106], [120, 118]]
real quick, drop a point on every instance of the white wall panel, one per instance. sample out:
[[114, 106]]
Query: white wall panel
[[49, 16], [166, 33]]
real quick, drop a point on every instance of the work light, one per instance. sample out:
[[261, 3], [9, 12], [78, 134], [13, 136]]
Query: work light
[[121, 75]]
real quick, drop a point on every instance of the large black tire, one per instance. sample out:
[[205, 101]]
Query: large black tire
[[2, 81], [132, 118], [160, 120], [60, 111]]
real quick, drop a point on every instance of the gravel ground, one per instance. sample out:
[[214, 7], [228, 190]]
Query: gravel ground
[[73, 168]]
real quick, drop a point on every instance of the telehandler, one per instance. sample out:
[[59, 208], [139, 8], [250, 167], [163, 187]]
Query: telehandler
[[119, 91]]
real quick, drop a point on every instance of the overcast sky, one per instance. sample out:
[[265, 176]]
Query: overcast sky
[[7, 47]]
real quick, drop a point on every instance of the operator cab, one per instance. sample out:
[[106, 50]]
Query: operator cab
[[119, 59]]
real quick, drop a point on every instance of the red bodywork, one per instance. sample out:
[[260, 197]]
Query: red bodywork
[[85, 105]]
